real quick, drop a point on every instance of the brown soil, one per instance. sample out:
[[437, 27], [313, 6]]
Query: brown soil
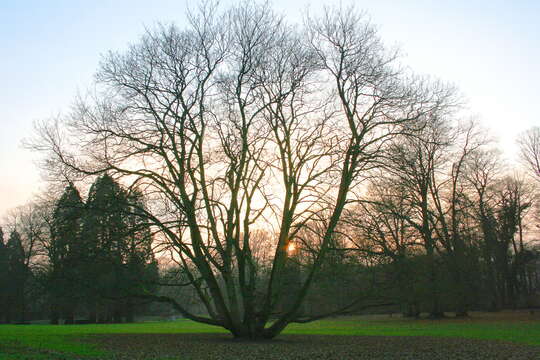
[[312, 347]]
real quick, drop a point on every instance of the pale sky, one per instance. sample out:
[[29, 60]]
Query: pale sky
[[49, 50]]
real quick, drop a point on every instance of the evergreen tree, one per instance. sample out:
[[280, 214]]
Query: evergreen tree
[[66, 254], [17, 275], [102, 232], [118, 245], [4, 261], [99, 253], [140, 266]]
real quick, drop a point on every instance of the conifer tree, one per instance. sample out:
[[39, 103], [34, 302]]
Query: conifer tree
[[17, 275], [66, 254], [3, 276], [119, 250]]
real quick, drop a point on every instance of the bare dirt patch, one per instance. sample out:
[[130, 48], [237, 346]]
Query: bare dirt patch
[[221, 346]]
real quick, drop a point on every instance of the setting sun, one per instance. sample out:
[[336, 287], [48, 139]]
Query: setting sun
[[291, 247]]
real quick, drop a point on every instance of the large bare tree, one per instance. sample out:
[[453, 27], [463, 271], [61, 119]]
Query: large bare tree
[[241, 123]]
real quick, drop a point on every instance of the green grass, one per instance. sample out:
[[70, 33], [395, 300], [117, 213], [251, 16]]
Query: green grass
[[527, 332], [63, 342], [64, 339]]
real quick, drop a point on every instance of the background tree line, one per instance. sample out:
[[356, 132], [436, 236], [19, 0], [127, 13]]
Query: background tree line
[[441, 228], [70, 258], [448, 226]]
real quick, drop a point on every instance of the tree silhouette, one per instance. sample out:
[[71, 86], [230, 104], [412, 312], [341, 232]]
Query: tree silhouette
[[66, 254], [237, 123]]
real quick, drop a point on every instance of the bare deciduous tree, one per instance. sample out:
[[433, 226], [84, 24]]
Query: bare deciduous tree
[[240, 123]]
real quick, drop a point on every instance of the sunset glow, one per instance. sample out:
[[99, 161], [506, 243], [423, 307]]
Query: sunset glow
[[291, 248]]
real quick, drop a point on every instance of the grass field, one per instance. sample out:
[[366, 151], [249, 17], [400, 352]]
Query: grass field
[[79, 341]]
